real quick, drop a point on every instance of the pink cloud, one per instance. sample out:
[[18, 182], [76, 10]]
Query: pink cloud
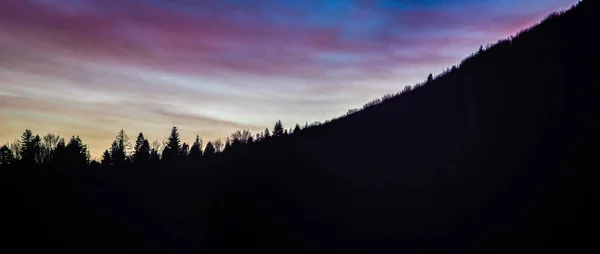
[[163, 39]]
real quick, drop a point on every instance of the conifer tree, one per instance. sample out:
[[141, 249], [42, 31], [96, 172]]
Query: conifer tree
[[119, 149], [172, 149], [196, 150], [141, 154], [209, 150], [278, 130], [7, 156], [77, 153], [297, 128], [106, 159]]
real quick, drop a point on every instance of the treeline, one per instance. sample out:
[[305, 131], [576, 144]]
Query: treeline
[[53, 150]]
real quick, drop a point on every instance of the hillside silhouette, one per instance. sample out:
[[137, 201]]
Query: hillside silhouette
[[482, 158]]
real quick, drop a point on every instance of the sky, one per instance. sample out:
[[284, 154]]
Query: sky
[[211, 67]]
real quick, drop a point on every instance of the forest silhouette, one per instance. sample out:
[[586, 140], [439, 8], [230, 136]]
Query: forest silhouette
[[480, 158]]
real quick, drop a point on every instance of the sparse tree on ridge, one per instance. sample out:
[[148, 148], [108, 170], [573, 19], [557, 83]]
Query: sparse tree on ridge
[[157, 146], [7, 156], [154, 156], [172, 149], [209, 151], [31, 148], [296, 129], [106, 161], [227, 144], [185, 150], [119, 149], [217, 145], [278, 129], [196, 149], [59, 155], [77, 153], [49, 143], [141, 153]]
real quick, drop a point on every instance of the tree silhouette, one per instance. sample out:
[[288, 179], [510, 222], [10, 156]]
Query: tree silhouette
[[141, 154], [236, 138], [30, 147], [258, 137], [196, 150], [236, 142], [157, 146], [429, 78], [297, 128], [266, 134], [123, 140], [154, 156], [172, 148], [278, 129], [119, 148], [209, 150], [185, 150], [106, 161], [246, 135], [227, 145], [218, 145], [15, 146], [7, 156], [26, 146], [59, 155], [77, 153], [49, 143]]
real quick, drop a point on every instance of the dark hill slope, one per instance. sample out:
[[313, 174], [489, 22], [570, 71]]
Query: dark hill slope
[[483, 159]]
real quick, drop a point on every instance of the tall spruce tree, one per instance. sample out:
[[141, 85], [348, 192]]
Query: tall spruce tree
[[196, 150], [141, 153], [209, 151], [278, 130], [172, 149], [119, 149]]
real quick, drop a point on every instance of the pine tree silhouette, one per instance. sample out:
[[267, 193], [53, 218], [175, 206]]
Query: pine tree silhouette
[[196, 150], [29, 147], [227, 145], [209, 150], [185, 149], [172, 149], [297, 128], [7, 156], [141, 154], [59, 155], [77, 153], [278, 130], [118, 150], [106, 160]]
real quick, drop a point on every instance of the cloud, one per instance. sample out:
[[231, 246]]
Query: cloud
[[217, 40]]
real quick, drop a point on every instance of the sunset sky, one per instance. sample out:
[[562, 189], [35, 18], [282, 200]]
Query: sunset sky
[[210, 67]]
